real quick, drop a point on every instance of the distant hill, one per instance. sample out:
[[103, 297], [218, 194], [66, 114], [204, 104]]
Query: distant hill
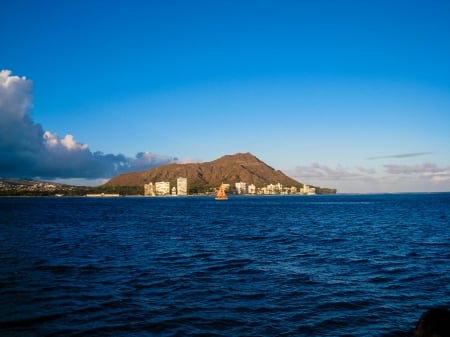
[[228, 169], [30, 187]]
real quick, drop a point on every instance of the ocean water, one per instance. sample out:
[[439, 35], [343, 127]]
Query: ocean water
[[339, 265]]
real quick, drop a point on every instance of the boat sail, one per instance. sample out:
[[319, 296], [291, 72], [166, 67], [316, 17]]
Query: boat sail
[[221, 195]]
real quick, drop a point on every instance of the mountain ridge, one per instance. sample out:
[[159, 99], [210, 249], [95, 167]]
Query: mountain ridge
[[227, 169]]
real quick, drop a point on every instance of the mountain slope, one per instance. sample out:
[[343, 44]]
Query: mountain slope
[[228, 169]]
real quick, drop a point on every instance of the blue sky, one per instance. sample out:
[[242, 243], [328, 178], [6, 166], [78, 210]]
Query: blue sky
[[353, 95]]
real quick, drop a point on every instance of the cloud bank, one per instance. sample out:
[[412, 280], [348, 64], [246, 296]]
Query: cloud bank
[[28, 151], [317, 171], [426, 177], [431, 170]]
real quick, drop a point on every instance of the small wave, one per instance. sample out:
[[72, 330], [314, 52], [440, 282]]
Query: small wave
[[29, 321], [435, 243]]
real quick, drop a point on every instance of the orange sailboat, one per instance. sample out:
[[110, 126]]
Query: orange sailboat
[[221, 195]]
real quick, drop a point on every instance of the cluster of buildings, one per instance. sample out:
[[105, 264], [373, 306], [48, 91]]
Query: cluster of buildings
[[162, 188], [272, 189], [19, 186]]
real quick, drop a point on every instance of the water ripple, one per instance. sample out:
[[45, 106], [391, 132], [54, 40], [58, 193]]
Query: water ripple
[[321, 266]]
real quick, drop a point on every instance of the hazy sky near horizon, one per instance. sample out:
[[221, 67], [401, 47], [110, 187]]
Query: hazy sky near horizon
[[353, 95]]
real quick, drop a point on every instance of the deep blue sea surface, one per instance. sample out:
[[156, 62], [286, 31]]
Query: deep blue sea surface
[[340, 265]]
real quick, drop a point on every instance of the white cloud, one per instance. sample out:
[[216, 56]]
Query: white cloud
[[188, 160], [53, 141], [26, 150], [50, 139], [15, 97], [69, 143]]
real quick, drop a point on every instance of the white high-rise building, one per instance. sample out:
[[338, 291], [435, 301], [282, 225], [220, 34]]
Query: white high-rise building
[[241, 187], [149, 189], [182, 186], [251, 189]]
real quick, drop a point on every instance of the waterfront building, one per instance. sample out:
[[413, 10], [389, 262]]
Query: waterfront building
[[162, 188], [251, 189], [149, 189], [285, 190], [278, 188], [270, 189], [182, 186], [308, 190], [241, 187]]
